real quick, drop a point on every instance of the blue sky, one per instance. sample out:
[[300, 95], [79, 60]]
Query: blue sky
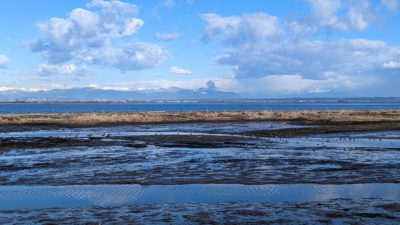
[[258, 48]]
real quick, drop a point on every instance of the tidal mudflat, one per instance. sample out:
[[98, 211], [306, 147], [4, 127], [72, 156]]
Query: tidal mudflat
[[201, 159], [238, 160]]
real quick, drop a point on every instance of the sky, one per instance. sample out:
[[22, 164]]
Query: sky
[[257, 48]]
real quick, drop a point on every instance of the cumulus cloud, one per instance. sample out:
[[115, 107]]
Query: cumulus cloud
[[130, 56], [4, 61], [132, 26], [167, 36], [180, 71], [325, 14], [359, 16], [241, 29], [391, 65], [97, 35], [65, 69], [335, 15]]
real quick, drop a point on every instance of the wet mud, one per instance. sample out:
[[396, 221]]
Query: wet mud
[[338, 211]]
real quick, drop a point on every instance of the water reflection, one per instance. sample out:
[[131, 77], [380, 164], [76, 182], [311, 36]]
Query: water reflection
[[152, 129], [34, 197]]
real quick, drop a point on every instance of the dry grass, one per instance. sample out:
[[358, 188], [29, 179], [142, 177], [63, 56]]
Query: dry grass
[[313, 117]]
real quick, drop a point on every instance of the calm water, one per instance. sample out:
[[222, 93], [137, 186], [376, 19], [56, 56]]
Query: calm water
[[23, 108], [34, 197], [154, 129]]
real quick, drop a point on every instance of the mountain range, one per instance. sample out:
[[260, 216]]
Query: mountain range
[[98, 94]]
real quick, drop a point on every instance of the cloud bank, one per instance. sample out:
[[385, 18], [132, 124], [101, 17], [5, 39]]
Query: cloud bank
[[268, 54]]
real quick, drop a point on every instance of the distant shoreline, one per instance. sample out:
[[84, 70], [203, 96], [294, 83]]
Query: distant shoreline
[[327, 99], [292, 104]]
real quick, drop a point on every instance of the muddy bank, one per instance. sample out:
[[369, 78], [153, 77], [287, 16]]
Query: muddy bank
[[338, 211], [189, 141], [326, 129]]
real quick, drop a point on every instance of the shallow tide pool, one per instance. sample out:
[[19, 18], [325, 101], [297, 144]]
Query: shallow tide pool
[[36, 197]]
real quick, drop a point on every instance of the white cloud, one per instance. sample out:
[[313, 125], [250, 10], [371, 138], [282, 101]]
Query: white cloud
[[325, 9], [4, 61], [309, 58], [130, 56], [241, 29], [217, 24], [325, 13], [165, 84], [65, 69], [391, 5], [357, 20], [14, 89], [180, 71], [300, 29], [95, 86], [290, 57], [95, 35], [295, 84], [252, 50], [338, 15], [274, 85], [5, 89], [132, 26], [114, 9], [167, 36], [391, 65]]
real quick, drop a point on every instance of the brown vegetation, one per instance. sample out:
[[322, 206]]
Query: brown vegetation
[[308, 117]]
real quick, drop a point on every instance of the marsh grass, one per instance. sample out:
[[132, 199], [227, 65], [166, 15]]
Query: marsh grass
[[87, 119]]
